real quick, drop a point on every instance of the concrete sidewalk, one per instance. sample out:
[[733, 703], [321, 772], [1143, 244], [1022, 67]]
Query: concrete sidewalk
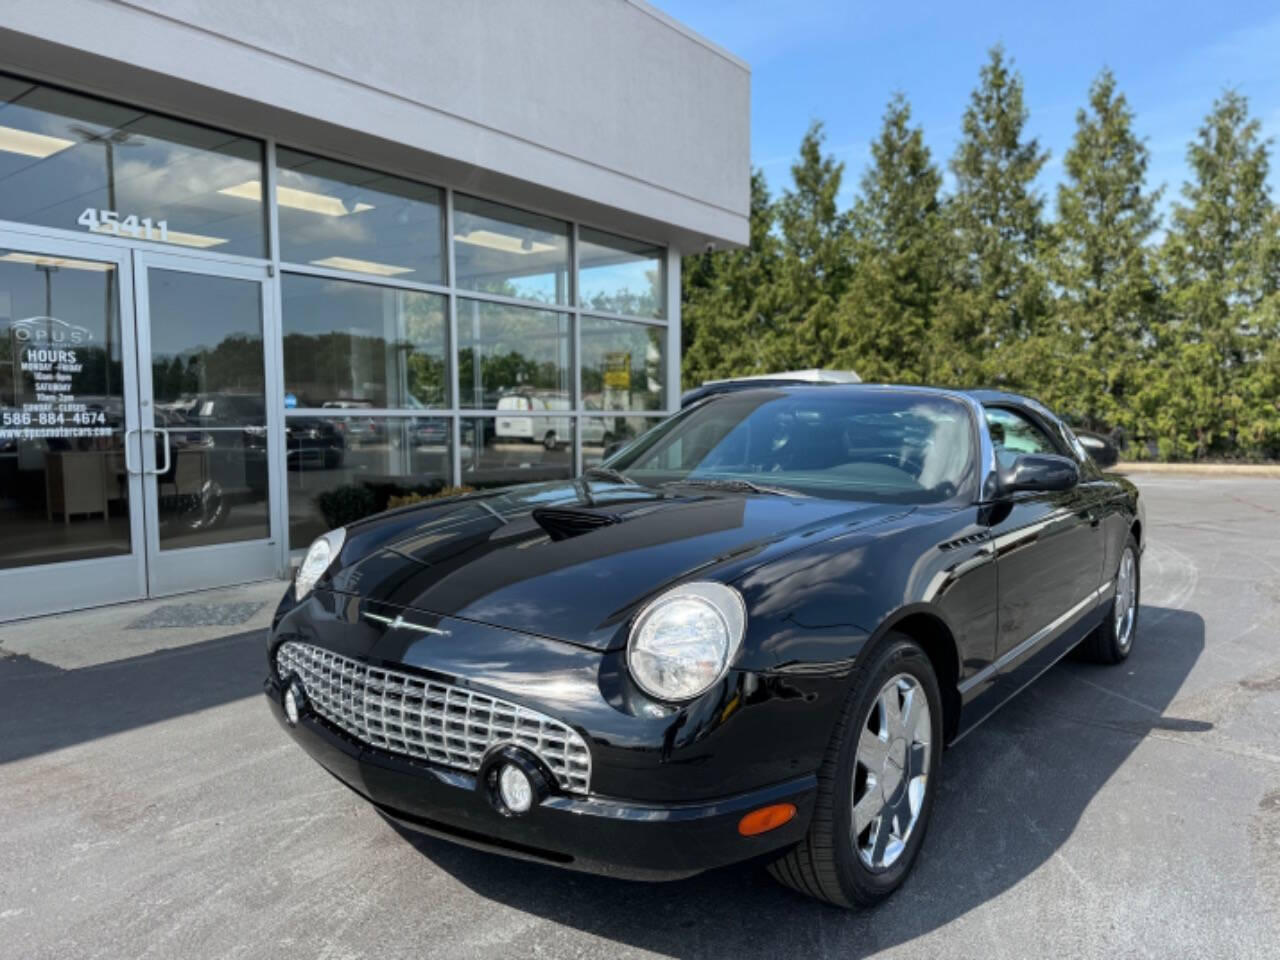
[[85, 638], [1201, 469]]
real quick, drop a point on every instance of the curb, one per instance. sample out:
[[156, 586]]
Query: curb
[[1200, 469]]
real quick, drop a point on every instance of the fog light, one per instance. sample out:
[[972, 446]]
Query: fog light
[[515, 789], [293, 700]]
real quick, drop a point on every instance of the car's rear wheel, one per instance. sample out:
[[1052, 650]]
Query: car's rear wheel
[[1112, 641], [877, 783], [549, 442]]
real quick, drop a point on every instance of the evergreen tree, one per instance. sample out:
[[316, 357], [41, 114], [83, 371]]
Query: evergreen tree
[[997, 293], [1217, 394], [1102, 267], [1179, 345], [728, 300], [815, 262], [898, 242]]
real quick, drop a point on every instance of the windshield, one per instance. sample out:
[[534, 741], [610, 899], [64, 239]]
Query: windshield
[[888, 446]]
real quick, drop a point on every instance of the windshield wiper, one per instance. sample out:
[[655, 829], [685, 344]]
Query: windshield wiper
[[607, 473], [733, 483]]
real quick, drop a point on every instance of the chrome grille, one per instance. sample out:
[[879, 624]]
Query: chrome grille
[[439, 722]]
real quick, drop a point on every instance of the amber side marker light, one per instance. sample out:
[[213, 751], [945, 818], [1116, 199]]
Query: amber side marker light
[[766, 818]]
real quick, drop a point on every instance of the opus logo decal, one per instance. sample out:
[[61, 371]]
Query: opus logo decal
[[49, 330]]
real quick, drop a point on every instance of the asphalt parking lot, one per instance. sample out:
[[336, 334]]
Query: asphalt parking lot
[[150, 807]]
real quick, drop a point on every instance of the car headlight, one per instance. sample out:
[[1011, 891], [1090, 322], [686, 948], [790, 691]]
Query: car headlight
[[319, 555], [684, 640]]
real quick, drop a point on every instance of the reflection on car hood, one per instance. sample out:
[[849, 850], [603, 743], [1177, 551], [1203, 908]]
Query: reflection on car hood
[[572, 562]]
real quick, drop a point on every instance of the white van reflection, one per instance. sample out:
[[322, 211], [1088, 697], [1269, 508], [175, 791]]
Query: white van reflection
[[551, 431]]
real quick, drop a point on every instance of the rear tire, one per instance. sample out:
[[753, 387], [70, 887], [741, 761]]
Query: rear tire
[[857, 853], [1112, 641]]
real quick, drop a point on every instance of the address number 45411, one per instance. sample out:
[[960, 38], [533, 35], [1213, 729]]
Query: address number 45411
[[108, 221]]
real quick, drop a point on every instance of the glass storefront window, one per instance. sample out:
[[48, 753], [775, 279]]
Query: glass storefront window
[[79, 163], [507, 449], [618, 275], [512, 358], [347, 218], [623, 365], [604, 436], [64, 494], [209, 385], [501, 250], [352, 345], [206, 347], [365, 346], [344, 468]]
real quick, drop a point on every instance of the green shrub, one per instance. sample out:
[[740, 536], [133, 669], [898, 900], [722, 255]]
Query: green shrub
[[347, 504], [414, 497], [355, 501]]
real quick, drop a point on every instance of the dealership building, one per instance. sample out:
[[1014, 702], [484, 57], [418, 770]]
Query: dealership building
[[265, 267]]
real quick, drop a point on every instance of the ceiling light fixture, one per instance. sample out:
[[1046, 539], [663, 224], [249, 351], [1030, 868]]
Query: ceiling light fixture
[[361, 266], [504, 242], [13, 140], [296, 199], [192, 239], [57, 262]]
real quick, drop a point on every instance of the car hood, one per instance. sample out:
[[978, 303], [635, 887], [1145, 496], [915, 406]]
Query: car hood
[[572, 560]]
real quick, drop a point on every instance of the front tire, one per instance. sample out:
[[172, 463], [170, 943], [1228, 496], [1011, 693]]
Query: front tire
[[877, 784], [1112, 641]]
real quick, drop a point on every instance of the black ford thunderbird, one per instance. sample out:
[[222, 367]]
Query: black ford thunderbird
[[749, 633]]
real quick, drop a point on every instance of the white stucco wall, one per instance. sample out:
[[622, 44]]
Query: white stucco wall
[[602, 110]]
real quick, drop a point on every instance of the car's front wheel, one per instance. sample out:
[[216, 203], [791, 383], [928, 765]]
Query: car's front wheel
[[877, 783]]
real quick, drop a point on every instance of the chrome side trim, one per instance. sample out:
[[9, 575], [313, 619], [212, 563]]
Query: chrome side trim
[[1037, 638]]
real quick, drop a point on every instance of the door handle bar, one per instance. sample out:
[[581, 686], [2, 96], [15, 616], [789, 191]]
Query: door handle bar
[[168, 457], [128, 463]]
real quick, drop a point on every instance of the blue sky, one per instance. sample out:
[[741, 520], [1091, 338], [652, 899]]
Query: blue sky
[[839, 63]]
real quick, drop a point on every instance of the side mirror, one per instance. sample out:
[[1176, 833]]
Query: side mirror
[[612, 448], [1040, 471], [1102, 450]]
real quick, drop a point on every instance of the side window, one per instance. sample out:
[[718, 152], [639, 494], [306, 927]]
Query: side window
[[1014, 434]]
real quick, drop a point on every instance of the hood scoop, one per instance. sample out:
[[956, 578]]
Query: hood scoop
[[562, 523]]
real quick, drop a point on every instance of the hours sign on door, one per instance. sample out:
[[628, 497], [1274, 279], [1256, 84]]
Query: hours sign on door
[[50, 355]]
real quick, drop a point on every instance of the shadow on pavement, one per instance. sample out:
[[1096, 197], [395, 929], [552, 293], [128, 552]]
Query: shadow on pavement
[[1012, 793], [45, 708]]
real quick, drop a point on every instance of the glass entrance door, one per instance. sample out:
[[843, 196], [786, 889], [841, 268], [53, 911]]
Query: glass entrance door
[[209, 437], [71, 517]]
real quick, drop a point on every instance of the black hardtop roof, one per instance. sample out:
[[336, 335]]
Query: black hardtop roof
[[983, 395]]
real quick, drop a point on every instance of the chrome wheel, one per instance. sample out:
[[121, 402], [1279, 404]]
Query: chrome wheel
[[891, 771], [1126, 605]]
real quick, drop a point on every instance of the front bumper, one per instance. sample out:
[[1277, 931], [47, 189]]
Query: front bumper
[[632, 840]]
